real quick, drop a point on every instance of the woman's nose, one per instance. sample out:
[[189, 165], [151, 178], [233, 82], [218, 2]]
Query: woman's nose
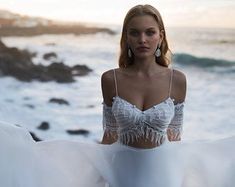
[[142, 38]]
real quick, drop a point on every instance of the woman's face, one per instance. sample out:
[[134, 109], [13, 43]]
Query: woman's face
[[143, 36]]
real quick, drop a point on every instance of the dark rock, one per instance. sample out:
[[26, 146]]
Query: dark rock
[[35, 137], [12, 53], [78, 132], [29, 106], [59, 101], [48, 56], [60, 72], [17, 63], [44, 126], [79, 70]]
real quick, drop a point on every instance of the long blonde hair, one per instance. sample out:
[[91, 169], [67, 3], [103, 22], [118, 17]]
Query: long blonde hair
[[140, 10]]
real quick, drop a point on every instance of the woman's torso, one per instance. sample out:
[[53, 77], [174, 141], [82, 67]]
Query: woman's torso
[[143, 108]]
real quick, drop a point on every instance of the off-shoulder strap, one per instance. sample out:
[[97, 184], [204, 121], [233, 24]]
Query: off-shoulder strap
[[172, 71], [115, 81]]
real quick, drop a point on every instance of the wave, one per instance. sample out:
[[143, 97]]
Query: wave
[[190, 60]]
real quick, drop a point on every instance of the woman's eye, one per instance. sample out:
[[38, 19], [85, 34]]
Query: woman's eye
[[133, 33], [150, 33]]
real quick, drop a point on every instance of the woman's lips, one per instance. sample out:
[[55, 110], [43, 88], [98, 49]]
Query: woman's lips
[[142, 49]]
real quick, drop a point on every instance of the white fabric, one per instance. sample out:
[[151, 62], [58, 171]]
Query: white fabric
[[60, 163], [124, 120], [130, 123]]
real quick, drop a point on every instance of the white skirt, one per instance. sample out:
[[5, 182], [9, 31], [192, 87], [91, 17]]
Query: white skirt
[[61, 163]]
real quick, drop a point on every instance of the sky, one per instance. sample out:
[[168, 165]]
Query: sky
[[176, 13]]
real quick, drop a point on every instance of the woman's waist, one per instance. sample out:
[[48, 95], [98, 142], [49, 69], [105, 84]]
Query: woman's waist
[[142, 141]]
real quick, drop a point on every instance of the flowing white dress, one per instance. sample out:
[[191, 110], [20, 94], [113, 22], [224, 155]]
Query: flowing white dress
[[61, 163]]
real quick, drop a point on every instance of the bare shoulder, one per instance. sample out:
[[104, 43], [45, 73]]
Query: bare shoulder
[[107, 76], [108, 86], [179, 85], [179, 77]]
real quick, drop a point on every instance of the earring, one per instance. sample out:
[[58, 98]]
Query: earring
[[129, 52], [158, 51]]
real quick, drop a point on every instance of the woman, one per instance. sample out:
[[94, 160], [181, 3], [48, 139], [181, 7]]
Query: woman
[[143, 109], [143, 84]]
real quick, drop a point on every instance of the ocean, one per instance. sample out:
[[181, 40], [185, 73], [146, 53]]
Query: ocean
[[206, 56]]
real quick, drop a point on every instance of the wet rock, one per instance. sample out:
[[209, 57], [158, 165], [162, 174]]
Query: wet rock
[[51, 55], [80, 70], [59, 101], [60, 72], [29, 106], [12, 53], [18, 63], [44, 126], [78, 132], [35, 137]]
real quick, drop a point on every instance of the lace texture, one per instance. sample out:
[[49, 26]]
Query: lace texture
[[130, 123], [175, 128], [109, 122]]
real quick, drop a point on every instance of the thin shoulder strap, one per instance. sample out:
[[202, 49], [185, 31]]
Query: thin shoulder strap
[[115, 81], [172, 71]]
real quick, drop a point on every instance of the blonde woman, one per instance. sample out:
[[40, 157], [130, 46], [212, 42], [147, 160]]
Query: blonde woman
[[143, 108]]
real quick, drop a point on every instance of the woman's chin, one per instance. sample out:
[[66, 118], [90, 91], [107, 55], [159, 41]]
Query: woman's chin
[[143, 56]]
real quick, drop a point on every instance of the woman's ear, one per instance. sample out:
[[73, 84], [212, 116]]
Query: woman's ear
[[161, 36]]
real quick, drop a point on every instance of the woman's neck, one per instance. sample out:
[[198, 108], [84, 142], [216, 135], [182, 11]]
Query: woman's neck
[[146, 66]]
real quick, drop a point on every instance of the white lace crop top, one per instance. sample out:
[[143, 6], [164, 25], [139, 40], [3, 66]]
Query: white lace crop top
[[130, 123]]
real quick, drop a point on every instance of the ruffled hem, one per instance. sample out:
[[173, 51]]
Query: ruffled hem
[[60, 163]]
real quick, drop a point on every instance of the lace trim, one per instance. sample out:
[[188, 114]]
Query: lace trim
[[109, 122], [175, 128], [179, 106], [133, 134], [175, 132]]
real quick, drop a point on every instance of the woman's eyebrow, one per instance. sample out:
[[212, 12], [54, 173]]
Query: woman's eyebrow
[[136, 29]]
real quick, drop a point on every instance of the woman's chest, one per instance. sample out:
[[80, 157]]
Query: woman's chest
[[126, 113]]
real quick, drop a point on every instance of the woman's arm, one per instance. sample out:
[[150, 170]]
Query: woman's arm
[[109, 139], [179, 87], [109, 123]]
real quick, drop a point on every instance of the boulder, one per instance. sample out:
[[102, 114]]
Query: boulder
[[59, 101], [44, 126], [48, 56], [35, 137], [78, 132]]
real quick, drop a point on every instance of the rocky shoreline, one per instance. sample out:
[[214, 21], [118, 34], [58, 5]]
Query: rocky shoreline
[[18, 64], [44, 126], [51, 29]]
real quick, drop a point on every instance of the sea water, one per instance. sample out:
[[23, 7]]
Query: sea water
[[206, 56]]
